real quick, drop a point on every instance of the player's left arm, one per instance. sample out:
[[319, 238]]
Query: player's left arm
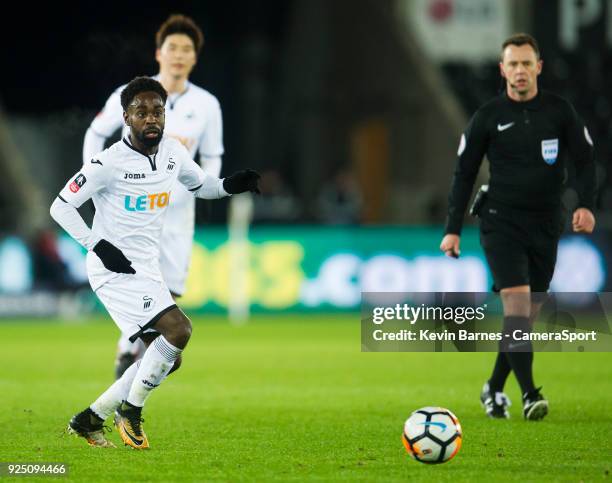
[[208, 187], [580, 145]]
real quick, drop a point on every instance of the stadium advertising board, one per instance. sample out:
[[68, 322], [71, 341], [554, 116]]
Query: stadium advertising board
[[458, 30], [322, 268]]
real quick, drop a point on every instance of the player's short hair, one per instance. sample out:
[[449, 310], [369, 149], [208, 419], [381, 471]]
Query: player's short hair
[[180, 24], [138, 85], [519, 39]]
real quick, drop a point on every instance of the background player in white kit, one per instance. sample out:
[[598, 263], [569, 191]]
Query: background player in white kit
[[131, 184], [193, 116]]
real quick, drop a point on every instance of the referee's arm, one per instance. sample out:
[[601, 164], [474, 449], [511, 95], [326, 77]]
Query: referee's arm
[[581, 150], [472, 148]]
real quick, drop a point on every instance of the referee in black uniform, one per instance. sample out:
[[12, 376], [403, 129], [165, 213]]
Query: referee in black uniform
[[527, 135]]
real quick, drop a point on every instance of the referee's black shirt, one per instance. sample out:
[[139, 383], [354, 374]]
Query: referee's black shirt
[[527, 144]]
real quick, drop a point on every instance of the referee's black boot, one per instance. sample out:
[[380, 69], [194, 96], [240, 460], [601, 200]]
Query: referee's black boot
[[495, 403], [535, 406]]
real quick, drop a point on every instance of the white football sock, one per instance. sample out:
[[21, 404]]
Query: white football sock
[[154, 367], [110, 400]]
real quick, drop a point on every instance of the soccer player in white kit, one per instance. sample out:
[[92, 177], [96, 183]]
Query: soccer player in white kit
[[193, 116], [131, 184]]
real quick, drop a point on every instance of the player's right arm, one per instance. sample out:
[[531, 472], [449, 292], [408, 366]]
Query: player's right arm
[[108, 120], [81, 187], [472, 148]]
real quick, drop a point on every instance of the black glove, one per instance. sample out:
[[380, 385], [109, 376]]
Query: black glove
[[242, 181], [113, 258]]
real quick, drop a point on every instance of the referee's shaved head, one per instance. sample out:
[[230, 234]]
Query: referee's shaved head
[[138, 85]]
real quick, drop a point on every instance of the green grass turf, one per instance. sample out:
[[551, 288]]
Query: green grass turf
[[293, 398]]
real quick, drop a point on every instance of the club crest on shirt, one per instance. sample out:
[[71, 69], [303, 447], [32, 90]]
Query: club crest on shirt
[[147, 303], [550, 150], [78, 182], [171, 165]]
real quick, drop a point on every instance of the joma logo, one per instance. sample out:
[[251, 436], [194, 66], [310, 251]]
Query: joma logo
[[134, 176]]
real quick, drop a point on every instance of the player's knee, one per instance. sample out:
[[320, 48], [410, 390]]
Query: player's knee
[[175, 327], [516, 301], [182, 332]]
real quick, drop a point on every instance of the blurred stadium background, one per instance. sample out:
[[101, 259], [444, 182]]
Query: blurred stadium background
[[351, 110]]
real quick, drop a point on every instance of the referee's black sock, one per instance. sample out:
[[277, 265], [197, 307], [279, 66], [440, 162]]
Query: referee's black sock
[[501, 371], [519, 353], [522, 365]]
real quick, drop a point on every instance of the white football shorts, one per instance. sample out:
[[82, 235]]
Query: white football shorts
[[135, 302]]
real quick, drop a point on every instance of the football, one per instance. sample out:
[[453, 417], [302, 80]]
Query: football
[[432, 435]]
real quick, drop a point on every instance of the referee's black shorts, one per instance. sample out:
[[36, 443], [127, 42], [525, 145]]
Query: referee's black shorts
[[520, 246]]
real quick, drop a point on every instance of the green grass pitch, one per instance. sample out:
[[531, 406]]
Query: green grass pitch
[[293, 398]]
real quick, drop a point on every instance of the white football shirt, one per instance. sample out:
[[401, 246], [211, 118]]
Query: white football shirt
[[131, 192], [194, 116]]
